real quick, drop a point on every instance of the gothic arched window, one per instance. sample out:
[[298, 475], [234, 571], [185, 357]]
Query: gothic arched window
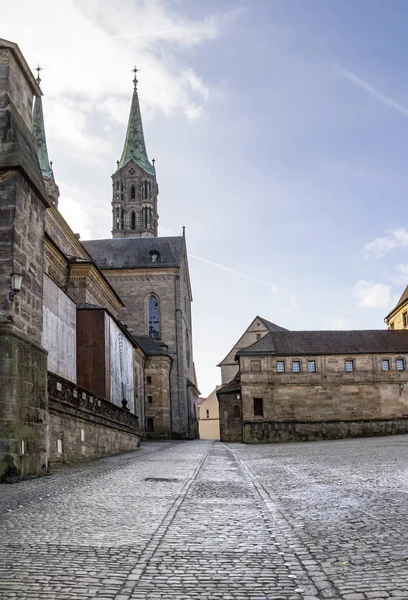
[[122, 218], [132, 192], [133, 220], [154, 317]]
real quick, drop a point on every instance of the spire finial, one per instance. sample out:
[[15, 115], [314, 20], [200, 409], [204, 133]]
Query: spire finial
[[38, 69], [135, 70]]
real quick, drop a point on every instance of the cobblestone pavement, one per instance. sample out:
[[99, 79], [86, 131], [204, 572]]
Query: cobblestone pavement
[[202, 520]]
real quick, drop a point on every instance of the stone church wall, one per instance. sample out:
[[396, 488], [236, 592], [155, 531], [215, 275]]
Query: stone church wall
[[59, 330]]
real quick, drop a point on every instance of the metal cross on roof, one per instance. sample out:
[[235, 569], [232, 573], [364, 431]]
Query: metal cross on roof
[[135, 70], [38, 69]]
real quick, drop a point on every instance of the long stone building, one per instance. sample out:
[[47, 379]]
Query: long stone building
[[310, 385], [92, 353]]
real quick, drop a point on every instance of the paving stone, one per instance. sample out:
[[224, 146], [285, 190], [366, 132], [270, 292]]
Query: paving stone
[[196, 520]]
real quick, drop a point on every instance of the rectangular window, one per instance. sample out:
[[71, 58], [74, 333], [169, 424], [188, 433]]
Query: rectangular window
[[258, 407], [258, 336], [149, 425], [311, 366], [385, 364], [392, 325], [149, 399], [400, 363], [148, 380], [280, 366], [349, 365], [405, 318], [208, 414], [255, 365], [296, 366]]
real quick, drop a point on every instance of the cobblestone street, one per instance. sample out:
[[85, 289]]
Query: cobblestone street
[[203, 520]]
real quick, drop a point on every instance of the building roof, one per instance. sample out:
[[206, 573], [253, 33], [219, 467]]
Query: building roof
[[296, 343], [200, 400], [233, 386], [150, 346], [135, 147], [400, 302], [271, 326], [40, 141], [134, 253]]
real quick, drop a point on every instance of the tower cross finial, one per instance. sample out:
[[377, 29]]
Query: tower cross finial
[[38, 69], [135, 71]]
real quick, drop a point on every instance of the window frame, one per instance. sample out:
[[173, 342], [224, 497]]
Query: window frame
[[405, 318], [149, 399], [258, 407], [387, 362], [400, 360], [149, 420], [296, 362], [311, 362], [153, 332], [353, 365], [280, 370]]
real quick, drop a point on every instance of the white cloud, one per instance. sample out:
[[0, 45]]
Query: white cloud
[[402, 273], [337, 323], [87, 57], [370, 89], [371, 294], [397, 238], [76, 216]]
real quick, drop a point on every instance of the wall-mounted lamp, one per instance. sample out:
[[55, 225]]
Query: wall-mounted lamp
[[238, 396], [16, 281]]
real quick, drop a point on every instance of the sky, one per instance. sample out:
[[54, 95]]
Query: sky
[[280, 134]]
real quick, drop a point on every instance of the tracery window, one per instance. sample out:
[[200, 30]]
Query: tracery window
[[154, 317]]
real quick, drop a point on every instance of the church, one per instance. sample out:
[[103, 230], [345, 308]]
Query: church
[[95, 336]]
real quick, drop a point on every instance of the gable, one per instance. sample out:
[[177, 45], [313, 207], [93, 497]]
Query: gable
[[258, 327]]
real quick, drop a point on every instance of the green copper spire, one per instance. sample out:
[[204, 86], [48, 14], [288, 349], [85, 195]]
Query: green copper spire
[[134, 144], [39, 134]]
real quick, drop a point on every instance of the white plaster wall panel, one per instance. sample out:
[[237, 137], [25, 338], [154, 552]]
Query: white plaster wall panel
[[121, 365], [59, 332]]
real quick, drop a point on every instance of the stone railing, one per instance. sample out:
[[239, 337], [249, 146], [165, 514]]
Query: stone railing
[[74, 397]]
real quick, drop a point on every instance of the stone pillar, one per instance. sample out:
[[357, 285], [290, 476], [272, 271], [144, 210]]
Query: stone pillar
[[23, 202]]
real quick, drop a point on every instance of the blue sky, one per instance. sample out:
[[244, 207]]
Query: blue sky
[[280, 133]]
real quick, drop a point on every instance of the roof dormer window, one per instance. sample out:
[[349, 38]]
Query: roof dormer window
[[154, 256]]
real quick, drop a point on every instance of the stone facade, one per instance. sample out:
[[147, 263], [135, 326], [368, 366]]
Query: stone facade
[[84, 426], [23, 202], [158, 417], [312, 385], [170, 287]]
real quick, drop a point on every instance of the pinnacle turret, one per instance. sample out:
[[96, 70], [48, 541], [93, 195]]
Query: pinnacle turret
[[39, 133], [135, 148]]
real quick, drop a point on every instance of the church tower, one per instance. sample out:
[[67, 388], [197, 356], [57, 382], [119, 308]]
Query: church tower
[[134, 190]]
